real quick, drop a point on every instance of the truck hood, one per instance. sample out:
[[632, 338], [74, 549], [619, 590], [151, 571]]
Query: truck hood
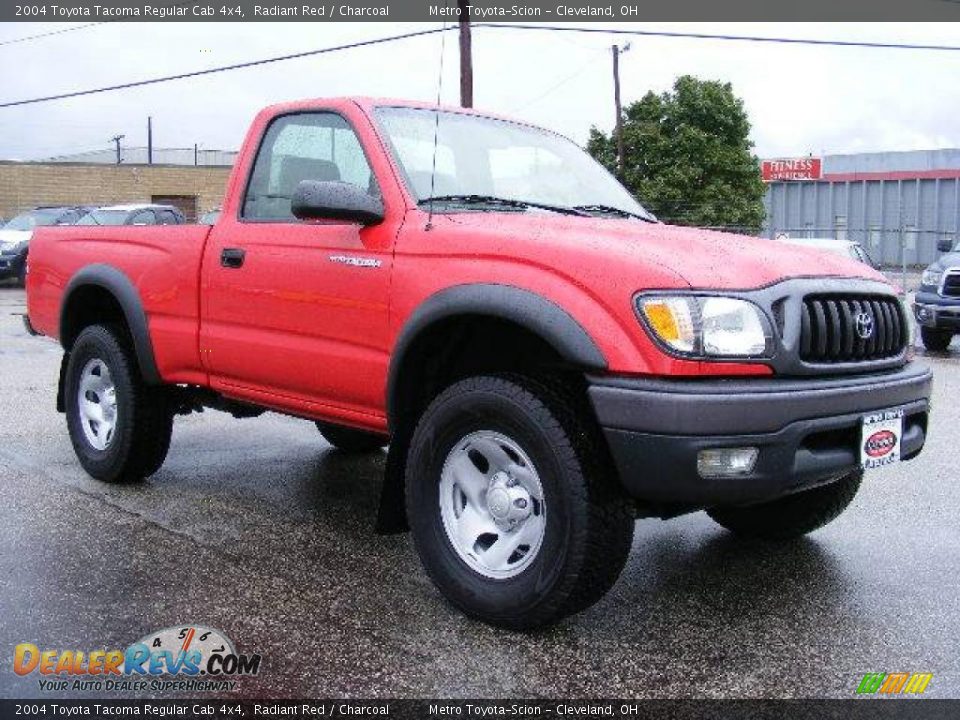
[[701, 258]]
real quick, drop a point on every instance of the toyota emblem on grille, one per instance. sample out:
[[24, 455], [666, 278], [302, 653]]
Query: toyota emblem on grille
[[864, 323]]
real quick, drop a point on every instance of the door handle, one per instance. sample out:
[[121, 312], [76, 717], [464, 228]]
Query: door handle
[[232, 257]]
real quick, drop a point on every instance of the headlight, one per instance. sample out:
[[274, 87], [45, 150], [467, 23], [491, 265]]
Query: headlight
[[931, 277], [707, 326]]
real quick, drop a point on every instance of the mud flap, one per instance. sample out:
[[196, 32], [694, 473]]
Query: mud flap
[[392, 515], [61, 405]]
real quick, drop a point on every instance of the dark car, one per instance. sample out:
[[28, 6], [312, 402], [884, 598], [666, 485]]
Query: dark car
[[139, 214], [15, 236], [937, 302]]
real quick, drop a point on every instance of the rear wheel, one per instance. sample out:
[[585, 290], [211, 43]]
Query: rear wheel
[[793, 515], [512, 504], [351, 440], [936, 340], [120, 428]]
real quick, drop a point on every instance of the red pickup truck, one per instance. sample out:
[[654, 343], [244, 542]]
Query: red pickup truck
[[546, 361]]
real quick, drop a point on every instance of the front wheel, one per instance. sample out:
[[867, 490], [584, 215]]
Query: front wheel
[[936, 340], [793, 515], [120, 428], [512, 503]]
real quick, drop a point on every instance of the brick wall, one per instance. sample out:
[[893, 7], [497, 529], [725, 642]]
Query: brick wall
[[26, 185]]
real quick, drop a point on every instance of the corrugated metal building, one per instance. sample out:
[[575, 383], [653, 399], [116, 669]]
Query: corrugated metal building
[[897, 204], [161, 156]]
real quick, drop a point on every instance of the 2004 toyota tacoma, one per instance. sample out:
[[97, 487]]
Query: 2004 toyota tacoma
[[545, 360]]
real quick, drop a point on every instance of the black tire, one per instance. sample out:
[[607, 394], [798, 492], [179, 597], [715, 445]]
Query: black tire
[[141, 437], [351, 440], [936, 340], [588, 520], [791, 516], [22, 275]]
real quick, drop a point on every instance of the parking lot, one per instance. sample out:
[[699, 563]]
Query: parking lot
[[259, 528]]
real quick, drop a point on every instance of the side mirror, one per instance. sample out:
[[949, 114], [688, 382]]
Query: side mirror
[[944, 245], [329, 200]]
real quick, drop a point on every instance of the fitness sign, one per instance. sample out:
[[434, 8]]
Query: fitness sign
[[182, 658]]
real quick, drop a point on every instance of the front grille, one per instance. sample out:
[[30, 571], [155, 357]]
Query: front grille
[[833, 328], [951, 284]]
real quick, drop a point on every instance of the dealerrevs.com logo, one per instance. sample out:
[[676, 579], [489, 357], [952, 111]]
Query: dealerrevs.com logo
[[197, 658]]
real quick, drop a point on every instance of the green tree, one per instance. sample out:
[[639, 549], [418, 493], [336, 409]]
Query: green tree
[[688, 156]]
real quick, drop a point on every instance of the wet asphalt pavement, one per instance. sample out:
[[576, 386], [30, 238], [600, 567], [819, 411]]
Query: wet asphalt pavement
[[259, 528]]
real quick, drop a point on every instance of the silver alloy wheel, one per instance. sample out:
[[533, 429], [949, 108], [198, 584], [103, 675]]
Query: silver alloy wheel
[[492, 505], [97, 404]]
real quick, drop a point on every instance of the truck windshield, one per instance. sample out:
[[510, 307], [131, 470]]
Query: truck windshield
[[486, 163]]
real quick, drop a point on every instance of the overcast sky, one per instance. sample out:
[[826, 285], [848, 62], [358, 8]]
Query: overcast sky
[[800, 99]]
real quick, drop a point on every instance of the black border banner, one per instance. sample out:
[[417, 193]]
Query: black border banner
[[507, 11], [853, 709]]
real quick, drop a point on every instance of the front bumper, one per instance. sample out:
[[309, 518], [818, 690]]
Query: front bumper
[[936, 311], [807, 431]]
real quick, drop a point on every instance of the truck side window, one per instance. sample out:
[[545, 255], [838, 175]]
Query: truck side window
[[305, 146]]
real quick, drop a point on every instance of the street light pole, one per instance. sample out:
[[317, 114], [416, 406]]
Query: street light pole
[[466, 56], [116, 139], [618, 127]]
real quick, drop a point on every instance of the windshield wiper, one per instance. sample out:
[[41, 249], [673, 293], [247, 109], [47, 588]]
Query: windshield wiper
[[502, 202], [611, 210]]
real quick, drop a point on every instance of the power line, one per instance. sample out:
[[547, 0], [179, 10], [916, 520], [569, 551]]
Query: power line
[[224, 68], [560, 83], [38, 36], [418, 33], [52, 32], [708, 36]]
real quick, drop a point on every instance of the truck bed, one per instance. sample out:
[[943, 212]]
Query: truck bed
[[162, 262]]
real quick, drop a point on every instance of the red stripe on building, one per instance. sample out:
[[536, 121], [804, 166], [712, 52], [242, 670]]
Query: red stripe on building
[[894, 175]]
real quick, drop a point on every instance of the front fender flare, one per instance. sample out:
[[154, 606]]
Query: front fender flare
[[523, 307]]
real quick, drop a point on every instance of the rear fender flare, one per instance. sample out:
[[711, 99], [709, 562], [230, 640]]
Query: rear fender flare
[[125, 293]]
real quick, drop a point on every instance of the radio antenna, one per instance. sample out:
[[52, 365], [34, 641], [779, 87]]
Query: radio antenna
[[436, 125]]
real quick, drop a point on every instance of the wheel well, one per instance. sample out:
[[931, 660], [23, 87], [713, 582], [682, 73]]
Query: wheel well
[[444, 352], [90, 305], [458, 347], [85, 306]]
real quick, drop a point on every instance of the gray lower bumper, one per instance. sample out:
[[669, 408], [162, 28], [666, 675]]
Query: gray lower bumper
[[711, 407], [807, 431]]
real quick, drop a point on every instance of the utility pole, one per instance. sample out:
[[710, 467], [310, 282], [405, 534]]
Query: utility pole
[[116, 139], [466, 56], [149, 140], [618, 127]]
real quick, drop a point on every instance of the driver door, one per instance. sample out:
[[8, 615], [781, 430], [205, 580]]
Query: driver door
[[294, 314]]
